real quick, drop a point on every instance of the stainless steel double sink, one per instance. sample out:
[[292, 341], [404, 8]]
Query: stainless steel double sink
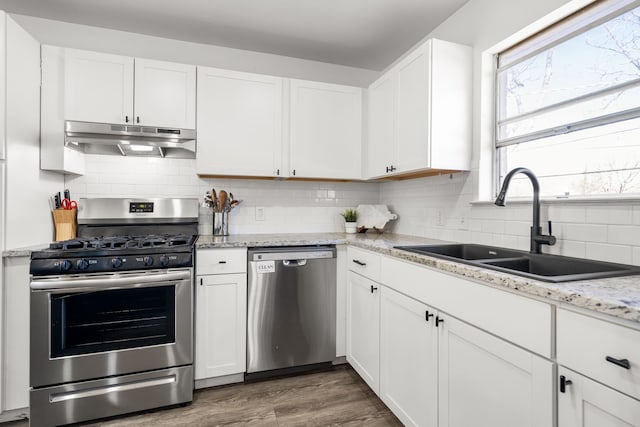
[[545, 267]]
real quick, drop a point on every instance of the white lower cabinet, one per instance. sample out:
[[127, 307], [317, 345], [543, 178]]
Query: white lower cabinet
[[221, 324], [408, 359], [435, 370], [485, 381], [363, 328], [221, 314], [585, 403]]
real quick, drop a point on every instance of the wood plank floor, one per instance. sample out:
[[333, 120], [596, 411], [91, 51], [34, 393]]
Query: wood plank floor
[[334, 398]]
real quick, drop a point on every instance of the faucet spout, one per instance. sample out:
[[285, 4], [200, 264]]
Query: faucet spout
[[537, 238]]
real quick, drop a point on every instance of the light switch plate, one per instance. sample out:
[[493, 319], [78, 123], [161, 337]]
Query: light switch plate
[[259, 213]]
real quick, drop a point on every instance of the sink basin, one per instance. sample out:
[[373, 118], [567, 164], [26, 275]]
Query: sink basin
[[549, 268], [466, 251]]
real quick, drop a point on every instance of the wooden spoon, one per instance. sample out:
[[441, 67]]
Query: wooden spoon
[[223, 200]]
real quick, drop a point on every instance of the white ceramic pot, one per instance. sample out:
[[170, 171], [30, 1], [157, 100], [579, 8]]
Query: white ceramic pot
[[350, 227]]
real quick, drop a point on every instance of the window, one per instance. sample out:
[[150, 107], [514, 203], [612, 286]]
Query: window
[[568, 104]]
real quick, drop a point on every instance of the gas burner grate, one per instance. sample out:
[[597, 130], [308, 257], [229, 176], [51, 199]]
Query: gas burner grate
[[125, 242]]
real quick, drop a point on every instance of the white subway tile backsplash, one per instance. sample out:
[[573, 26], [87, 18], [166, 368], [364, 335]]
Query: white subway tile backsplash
[[636, 255], [612, 253], [558, 213], [584, 232], [609, 214], [517, 228], [624, 234]]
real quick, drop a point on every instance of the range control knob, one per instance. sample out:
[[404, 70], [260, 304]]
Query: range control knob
[[82, 264], [116, 262], [164, 260], [148, 261], [64, 265]]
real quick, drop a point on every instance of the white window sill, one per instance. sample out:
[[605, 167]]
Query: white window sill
[[583, 200]]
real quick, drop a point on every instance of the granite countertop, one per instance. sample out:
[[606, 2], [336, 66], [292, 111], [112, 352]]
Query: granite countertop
[[24, 251], [618, 297]]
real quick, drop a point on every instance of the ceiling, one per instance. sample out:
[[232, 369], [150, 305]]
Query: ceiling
[[360, 33]]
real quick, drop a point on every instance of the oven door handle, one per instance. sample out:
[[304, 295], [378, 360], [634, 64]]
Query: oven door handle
[[109, 281]]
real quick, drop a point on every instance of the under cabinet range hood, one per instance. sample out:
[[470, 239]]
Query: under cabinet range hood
[[130, 140]]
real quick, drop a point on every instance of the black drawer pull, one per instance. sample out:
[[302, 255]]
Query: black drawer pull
[[623, 363], [564, 382], [373, 289], [360, 262], [438, 321], [201, 281], [222, 262], [427, 315]]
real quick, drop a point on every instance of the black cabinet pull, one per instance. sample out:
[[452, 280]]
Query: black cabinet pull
[[438, 321], [564, 382], [373, 289], [277, 171], [201, 281], [222, 262], [623, 363], [388, 170], [137, 119], [427, 315], [360, 262], [393, 169], [294, 172], [126, 119]]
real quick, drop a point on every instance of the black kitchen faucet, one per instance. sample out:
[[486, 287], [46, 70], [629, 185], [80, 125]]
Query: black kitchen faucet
[[537, 238]]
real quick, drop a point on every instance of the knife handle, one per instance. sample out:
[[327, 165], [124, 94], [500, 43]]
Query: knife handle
[[67, 194]]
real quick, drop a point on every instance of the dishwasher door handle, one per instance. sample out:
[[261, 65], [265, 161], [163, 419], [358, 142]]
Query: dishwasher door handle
[[294, 262]]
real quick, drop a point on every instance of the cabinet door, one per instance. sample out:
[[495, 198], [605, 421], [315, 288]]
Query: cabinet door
[[408, 359], [586, 403], [239, 123], [221, 325], [165, 94], [363, 328], [98, 87], [15, 339], [413, 110], [381, 138], [485, 381], [325, 130]]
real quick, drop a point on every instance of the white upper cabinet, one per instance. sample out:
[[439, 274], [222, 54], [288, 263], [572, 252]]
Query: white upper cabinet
[[325, 130], [165, 94], [381, 124], [98, 87], [239, 123], [420, 112]]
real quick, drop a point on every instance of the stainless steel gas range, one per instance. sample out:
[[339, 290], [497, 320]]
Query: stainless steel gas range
[[112, 312]]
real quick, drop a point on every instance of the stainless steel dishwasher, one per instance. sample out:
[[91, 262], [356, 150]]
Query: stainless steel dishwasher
[[291, 312]]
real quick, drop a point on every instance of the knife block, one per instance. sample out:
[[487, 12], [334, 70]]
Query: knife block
[[65, 223]]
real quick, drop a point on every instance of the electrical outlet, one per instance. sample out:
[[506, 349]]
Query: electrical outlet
[[440, 217], [259, 213], [464, 221]]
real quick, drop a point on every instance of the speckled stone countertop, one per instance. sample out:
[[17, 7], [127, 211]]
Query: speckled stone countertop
[[618, 297], [25, 251]]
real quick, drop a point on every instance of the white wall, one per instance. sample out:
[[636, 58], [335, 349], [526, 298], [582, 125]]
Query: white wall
[[289, 206], [440, 207], [125, 43], [28, 216]]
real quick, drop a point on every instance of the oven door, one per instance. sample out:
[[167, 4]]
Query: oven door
[[95, 326]]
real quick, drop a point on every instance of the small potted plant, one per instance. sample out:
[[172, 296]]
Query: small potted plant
[[350, 217]]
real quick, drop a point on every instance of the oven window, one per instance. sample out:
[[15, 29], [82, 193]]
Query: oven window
[[112, 320]]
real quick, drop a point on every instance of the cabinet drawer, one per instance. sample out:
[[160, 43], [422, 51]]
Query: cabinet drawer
[[221, 261], [585, 343], [364, 262], [514, 318]]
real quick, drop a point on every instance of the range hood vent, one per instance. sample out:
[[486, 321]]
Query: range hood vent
[[130, 140]]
